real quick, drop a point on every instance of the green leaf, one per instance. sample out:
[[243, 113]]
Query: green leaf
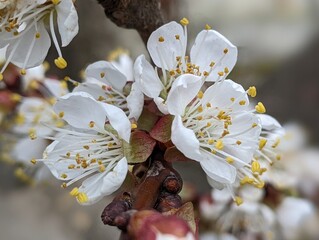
[[147, 120], [140, 147], [162, 129]]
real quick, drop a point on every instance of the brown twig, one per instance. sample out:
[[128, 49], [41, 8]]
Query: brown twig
[[142, 15]]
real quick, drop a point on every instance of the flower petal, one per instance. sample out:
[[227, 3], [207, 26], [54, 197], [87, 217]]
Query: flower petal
[[147, 78], [268, 122], [185, 140], [125, 66], [164, 53], [218, 169], [55, 87], [67, 18], [103, 184], [79, 109], [135, 101], [209, 47], [182, 92], [106, 73]]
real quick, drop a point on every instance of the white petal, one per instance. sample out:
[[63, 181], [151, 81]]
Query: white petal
[[80, 109], [185, 140], [147, 78], [39, 49], [26, 149], [161, 105], [218, 169], [125, 66], [105, 72], [67, 18], [182, 92], [118, 120], [135, 101], [268, 122], [103, 184], [164, 53], [55, 87], [209, 47], [220, 95], [94, 89]]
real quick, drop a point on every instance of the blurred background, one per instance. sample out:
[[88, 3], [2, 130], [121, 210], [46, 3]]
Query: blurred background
[[278, 43]]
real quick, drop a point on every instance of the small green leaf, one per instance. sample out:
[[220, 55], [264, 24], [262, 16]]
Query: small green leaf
[[162, 129], [147, 120], [140, 147]]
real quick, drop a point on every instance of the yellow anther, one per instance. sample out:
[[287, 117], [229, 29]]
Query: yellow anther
[[184, 21], [208, 105], [226, 70], [254, 125], [238, 201], [208, 124], [82, 197], [46, 65], [71, 166], [60, 63], [261, 184], [15, 97], [246, 179], [213, 151], [101, 98], [63, 175], [205, 73], [23, 71], [232, 99], [221, 74], [177, 37], [260, 108], [61, 114], [219, 144], [172, 73], [255, 167], [199, 118], [101, 168], [212, 64], [252, 91], [63, 185], [210, 141], [238, 142], [52, 100], [161, 39], [102, 74], [133, 126], [19, 119], [60, 124], [32, 133], [63, 85], [91, 124], [1, 76], [34, 84], [37, 35], [200, 109], [68, 154], [242, 102], [74, 192], [262, 143], [200, 94], [86, 147], [276, 143], [56, 2], [278, 157], [207, 27], [33, 161], [229, 160], [225, 50]]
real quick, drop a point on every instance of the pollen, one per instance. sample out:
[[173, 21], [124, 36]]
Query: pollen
[[71, 166], [262, 143], [208, 105], [33, 161], [255, 167], [101, 168], [23, 71], [212, 64], [226, 50], [276, 143], [200, 109], [243, 102], [32, 134], [208, 124], [61, 114], [102, 74], [219, 144], [82, 197], [91, 124], [252, 91], [63, 175], [60, 63], [37, 35], [238, 142], [226, 70], [74, 192], [246, 180], [184, 21], [86, 147], [177, 37], [1, 76], [210, 141], [199, 118], [232, 99], [161, 39], [254, 125], [200, 94], [260, 108], [238, 200], [56, 2], [221, 74], [230, 160], [207, 27], [133, 126]]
